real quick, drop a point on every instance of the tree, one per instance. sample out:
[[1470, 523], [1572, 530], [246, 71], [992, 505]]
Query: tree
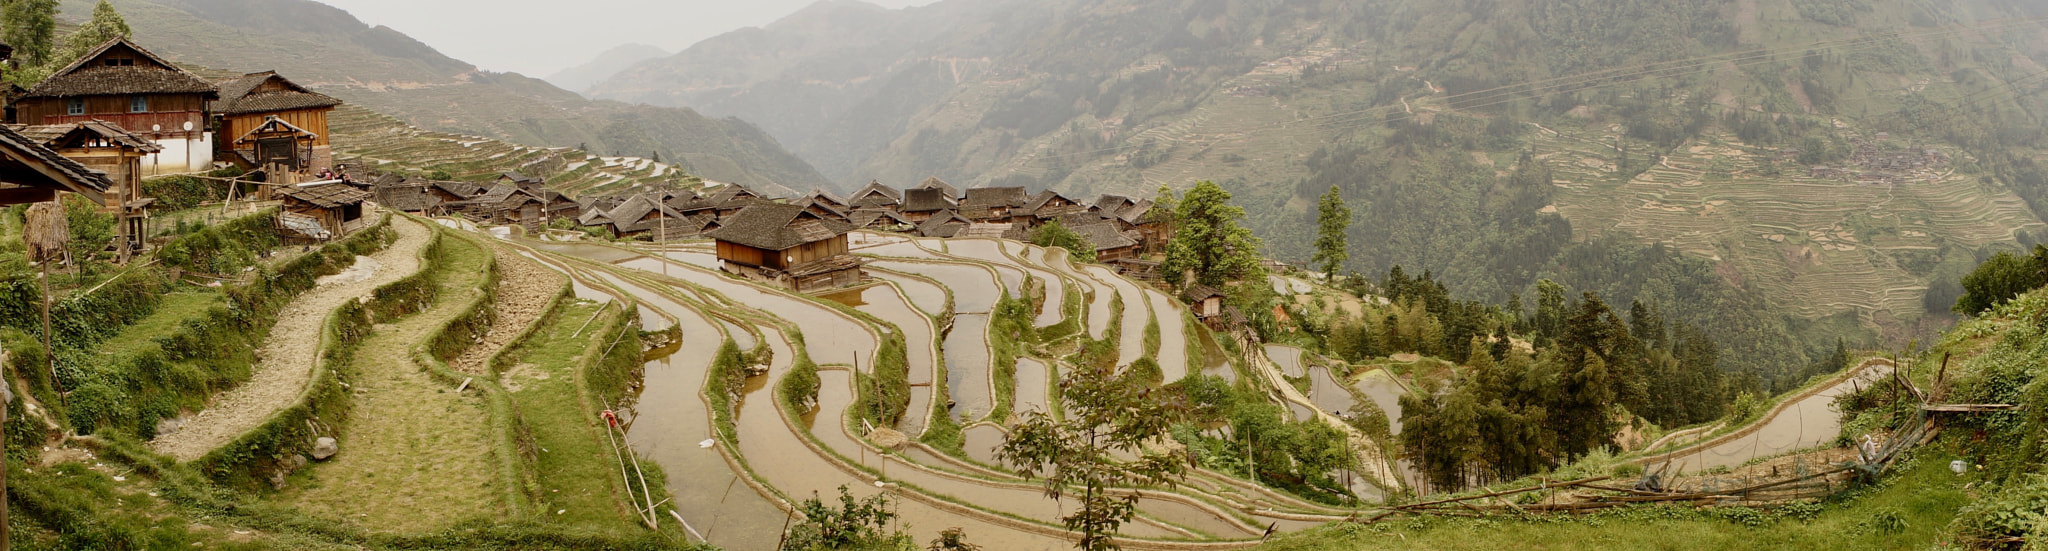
[[1055, 234], [2004, 276], [1332, 219], [31, 27], [1209, 240], [1106, 417], [106, 24], [854, 524]]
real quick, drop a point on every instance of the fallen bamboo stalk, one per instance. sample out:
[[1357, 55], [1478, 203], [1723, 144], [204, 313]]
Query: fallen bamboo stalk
[[1543, 486]]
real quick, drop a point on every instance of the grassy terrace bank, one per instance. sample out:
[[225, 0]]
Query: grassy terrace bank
[[1910, 510]]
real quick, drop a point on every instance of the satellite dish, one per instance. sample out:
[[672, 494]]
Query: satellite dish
[[156, 128], [188, 126]]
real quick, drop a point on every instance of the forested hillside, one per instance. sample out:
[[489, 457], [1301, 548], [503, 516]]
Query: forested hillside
[[391, 73], [1780, 172]]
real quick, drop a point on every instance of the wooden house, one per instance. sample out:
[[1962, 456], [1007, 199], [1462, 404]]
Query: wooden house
[[644, 215], [732, 198], [880, 220], [333, 209], [875, 196], [1109, 243], [266, 119], [1051, 205], [919, 204], [520, 179], [121, 83], [404, 197], [1207, 303], [107, 148], [994, 204], [822, 208], [556, 206], [454, 191], [503, 204], [945, 223], [828, 199], [787, 246]]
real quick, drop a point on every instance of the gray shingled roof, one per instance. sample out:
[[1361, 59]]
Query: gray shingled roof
[[941, 185], [238, 96], [24, 149], [326, 196], [1104, 236], [927, 200], [992, 197], [83, 79], [775, 226], [875, 195], [50, 135]]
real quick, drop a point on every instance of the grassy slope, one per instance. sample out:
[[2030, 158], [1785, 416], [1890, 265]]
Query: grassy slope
[[416, 456], [169, 315], [1925, 496], [578, 473]]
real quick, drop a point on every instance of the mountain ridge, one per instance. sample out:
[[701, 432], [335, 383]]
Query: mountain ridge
[[375, 67]]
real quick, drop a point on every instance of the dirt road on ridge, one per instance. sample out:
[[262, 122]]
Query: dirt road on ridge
[[285, 363]]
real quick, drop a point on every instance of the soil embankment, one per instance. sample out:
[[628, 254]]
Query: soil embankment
[[285, 363]]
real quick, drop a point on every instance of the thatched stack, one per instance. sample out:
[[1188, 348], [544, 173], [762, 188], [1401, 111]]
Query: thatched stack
[[46, 231]]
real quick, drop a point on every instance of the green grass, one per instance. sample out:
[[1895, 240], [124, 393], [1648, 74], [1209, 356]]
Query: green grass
[[416, 456], [171, 313], [577, 471], [1923, 494]]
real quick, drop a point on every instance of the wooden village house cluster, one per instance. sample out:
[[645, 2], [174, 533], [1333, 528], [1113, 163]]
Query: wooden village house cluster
[[122, 113]]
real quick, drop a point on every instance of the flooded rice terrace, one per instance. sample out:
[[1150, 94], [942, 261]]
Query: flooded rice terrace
[[797, 454]]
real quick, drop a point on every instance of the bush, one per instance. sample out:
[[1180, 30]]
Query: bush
[[226, 248]]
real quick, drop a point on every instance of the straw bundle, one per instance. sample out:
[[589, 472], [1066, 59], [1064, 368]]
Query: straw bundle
[[45, 231]]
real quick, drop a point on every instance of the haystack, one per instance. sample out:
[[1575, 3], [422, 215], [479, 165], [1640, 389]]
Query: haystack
[[888, 438], [46, 231]]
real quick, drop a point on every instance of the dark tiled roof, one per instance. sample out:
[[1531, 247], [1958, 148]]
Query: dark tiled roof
[[1104, 236], [945, 223], [404, 197], [868, 218], [992, 197], [105, 81], [239, 96], [828, 197], [517, 178], [629, 213], [732, 193], [19, 148], [816, 203], [459, 188], [80, 78], [61, 135], [326, 196], [774, 227], [875, 195], [1050, 204], [1198, 292], [926, 200], [941, 185]]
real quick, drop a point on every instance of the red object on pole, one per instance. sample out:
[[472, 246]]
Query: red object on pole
[[610, 418]]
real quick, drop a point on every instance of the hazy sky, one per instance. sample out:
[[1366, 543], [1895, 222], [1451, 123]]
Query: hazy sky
[[539, 37]]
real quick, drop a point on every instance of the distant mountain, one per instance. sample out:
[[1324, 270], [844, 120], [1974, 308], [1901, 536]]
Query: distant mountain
[[391, 73], [604, 66], [1757, 143]]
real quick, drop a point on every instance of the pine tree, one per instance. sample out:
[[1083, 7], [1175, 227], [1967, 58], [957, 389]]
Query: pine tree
[[1209, 240], [106, 25], [31, 27], [1332, 219]]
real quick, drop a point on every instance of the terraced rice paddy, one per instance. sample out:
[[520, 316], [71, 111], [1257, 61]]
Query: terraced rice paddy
[[940, 297], [1817, 246]]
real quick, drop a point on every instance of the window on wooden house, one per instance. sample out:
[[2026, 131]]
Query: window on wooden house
[[74, 106], [138, 104]]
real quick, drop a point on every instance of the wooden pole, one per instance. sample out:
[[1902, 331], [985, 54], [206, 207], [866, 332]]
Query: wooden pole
[[50, 354], [4, 536]]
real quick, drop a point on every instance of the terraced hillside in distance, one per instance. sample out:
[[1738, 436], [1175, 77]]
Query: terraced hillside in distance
[[386, 144], [1819, 246]]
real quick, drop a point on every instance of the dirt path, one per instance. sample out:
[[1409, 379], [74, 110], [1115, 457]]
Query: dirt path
[[415, 456], [524, 288], [287, 357]]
